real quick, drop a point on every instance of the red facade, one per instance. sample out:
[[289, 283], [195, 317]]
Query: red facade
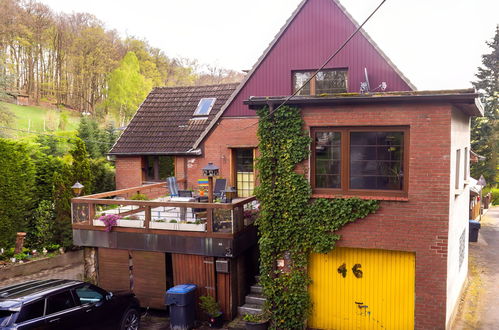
[[317, 30]]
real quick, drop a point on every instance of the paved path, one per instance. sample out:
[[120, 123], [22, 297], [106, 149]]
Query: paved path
[[480, 303], [70, 272]]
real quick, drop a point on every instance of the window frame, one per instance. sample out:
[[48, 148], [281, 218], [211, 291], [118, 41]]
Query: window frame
[[210, 107], [155, 166], [313, 81], [345, 161]]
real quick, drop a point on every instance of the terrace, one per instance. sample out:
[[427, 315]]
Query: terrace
[[165, 224]]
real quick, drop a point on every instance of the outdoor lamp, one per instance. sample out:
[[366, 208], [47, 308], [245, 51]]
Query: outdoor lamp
[[77, 188], [210, 170], [230, 194]]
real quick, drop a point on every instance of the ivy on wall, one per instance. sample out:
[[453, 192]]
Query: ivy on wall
[[290, 224]]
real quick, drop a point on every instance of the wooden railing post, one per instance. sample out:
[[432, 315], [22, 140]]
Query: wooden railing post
[[147, 219], [209, 220], [91, 213]]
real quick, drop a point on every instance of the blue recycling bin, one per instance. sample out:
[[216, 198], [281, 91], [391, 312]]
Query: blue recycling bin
[[474, 228], [182, 302]]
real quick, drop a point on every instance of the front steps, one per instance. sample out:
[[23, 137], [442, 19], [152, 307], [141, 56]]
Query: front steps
[[254, 301]]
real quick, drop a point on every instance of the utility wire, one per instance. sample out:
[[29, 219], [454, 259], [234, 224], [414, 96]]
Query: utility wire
[[52, 135], [322, 67]]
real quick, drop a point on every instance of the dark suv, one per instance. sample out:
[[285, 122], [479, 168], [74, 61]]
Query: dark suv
[[65, 304]]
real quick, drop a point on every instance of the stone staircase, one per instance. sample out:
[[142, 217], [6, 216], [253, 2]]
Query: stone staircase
[[254, 301], [253, 304]]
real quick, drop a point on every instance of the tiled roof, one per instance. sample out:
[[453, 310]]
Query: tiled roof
[[164, 123]]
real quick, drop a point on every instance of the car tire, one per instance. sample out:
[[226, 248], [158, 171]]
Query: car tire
[[130, 320]]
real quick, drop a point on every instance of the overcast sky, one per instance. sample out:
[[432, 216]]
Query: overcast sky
[[437, 44]]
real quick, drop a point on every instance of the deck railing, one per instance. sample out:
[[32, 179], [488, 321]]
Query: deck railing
[[162, 213]]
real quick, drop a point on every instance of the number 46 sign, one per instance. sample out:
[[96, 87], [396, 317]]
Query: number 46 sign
[[355, 270]]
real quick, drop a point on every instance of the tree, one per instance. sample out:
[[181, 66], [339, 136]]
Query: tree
[[127, 88], [79, 171], [485, 130], [6, 116], [17, 179]]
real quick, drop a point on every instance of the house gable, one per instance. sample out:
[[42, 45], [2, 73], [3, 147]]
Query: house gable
[[316, 30]]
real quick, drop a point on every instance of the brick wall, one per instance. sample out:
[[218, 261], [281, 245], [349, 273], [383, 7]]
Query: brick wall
[[419, 224], [128, 172], [230, 132]]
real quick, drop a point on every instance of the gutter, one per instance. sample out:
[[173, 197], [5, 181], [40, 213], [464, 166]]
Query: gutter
[[190, 152]]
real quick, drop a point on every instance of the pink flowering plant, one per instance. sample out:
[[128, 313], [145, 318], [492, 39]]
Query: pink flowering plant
[[110, 220]]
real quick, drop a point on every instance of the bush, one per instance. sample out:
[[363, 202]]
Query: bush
[[17, 175], [210, 306], [41, 233], [139, 197]]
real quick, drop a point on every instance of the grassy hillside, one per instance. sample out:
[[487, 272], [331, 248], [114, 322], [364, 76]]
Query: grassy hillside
[[39, 119]]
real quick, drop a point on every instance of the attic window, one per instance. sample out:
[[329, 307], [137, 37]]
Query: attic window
[[204, 106], [328, 81]]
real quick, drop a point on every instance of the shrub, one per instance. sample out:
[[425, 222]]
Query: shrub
[[210, 306], [139, 197]]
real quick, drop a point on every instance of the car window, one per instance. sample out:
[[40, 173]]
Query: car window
[[5, 317], [31, 311], [59, 302], [88, 295]]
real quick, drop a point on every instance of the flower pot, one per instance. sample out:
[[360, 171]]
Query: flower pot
[[131, 223], [192, 227], [163, 225], [216, 322], [257, 325]]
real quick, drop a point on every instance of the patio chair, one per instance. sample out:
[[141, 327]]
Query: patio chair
[[172, 186], [220, 185]]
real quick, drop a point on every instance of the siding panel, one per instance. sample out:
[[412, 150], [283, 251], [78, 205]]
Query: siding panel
[[149, 278], [315, 33]]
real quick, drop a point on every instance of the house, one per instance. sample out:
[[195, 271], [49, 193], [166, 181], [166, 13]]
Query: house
[[410, 149]]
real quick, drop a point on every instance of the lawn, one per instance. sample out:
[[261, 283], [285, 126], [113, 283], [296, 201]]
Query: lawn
[[39, 119]]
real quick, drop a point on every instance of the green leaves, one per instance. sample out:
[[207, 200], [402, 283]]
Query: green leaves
[[127, 88], [289, 222]]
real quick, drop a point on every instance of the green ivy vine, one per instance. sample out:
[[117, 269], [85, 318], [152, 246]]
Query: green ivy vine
[[290, 223]]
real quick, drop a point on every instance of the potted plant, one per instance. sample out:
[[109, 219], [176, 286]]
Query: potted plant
[[211, 307], [258, 321]]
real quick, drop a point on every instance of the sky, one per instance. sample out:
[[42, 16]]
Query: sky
[[437, 44]]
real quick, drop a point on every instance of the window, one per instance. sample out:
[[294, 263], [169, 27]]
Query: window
[[325, 82], [87, 295], [158, 168], [244, 172], [59, 302], [31, 311], [204, 106], [359, 160]]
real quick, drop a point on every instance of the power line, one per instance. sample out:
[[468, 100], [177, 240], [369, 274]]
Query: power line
[[322, 67], [51, 135]]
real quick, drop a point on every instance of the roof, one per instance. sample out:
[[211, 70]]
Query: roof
[[273, 44], [467, 100], [164, 123], [13, 296]]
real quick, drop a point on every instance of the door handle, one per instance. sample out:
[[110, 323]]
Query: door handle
[[54, 320], [88, 310]]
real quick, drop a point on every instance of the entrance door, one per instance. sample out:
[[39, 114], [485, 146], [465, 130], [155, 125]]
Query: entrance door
[[362, 289]]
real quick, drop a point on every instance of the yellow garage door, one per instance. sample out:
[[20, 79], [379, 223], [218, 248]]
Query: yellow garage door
[[362, 289]]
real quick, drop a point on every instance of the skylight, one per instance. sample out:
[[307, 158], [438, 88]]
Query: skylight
[[204, 106]]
